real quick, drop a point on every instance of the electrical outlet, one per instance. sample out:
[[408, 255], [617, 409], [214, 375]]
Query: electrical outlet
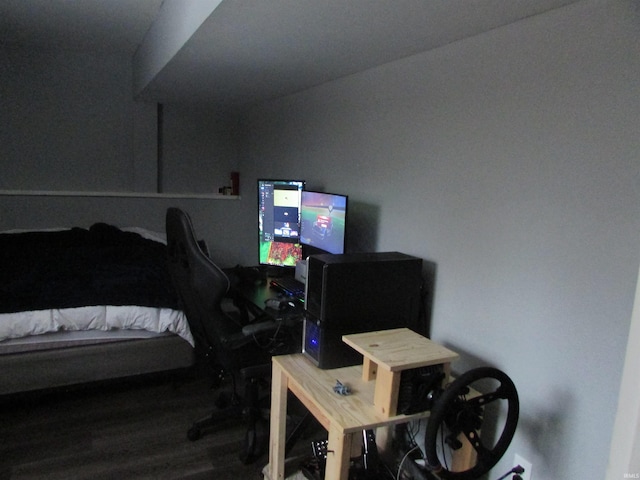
[[518, 460]]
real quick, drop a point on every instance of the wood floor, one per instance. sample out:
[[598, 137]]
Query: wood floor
[[124, 431]]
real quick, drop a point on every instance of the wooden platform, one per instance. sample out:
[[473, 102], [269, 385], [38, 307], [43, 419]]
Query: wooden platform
[[372, 402], [387, 353]]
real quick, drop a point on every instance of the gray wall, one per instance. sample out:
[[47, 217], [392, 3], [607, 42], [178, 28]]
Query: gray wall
[[208, 215], [199, 150], [510, 160], [70, 122], [67, 121]]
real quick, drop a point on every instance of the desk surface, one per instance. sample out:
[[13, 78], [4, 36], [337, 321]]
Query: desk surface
[[314, 388], [259, 292]]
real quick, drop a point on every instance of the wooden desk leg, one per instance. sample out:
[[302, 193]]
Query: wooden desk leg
[[338, 455], [385, 396], [384, 437], [278, 423]]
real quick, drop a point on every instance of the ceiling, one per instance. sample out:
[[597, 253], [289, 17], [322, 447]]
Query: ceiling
[[104, 26], [251, 50]]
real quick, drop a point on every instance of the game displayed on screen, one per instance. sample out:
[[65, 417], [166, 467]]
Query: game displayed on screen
[[323, 221], [279, 222]]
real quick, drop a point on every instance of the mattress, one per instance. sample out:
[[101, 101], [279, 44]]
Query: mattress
[[102, 318]]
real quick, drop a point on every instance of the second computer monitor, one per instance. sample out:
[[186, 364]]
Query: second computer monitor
[[323, 222]]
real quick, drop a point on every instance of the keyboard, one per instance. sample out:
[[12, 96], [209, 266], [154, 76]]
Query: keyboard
[[288, 285]]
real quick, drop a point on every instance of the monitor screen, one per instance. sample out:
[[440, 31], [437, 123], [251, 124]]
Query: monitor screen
[[279, 222], [323, 221]]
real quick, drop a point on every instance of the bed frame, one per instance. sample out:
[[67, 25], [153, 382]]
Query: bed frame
[[60, 367]]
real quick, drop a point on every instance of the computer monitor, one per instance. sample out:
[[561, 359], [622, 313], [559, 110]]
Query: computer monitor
[[279, 222], [323, 222]]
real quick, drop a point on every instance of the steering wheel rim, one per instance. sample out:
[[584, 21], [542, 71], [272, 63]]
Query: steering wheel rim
[[464, 416]]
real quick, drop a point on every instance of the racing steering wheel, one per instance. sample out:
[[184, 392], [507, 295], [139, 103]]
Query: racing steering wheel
[[457, 416]]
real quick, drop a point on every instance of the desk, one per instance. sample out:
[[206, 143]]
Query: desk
[[258, 292], [386, 354], [254, 294]]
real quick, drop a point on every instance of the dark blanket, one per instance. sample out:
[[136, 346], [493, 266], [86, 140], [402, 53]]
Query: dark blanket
[[73, 268]]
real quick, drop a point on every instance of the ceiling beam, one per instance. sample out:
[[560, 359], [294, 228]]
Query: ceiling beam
[[176, 23]]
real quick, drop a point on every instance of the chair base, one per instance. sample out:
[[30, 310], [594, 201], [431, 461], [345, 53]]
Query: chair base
[[246, 410], [199, 427]]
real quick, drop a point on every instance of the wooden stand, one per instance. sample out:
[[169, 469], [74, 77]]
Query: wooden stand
[[374, 393], [387, 353]]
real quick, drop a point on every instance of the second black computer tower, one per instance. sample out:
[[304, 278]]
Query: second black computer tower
[[355, 293]]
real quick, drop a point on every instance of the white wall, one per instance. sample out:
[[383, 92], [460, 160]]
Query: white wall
[[624, 457], [511, 161]]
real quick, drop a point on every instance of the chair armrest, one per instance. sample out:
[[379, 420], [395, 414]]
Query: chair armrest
[[254, 328]]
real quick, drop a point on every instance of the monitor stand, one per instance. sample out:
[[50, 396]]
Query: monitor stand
[[272, 271]]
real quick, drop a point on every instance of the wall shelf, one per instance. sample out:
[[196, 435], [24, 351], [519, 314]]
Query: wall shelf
[[62, 193]]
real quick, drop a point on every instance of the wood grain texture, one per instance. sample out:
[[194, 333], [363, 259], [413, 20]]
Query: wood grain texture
[[133, 430], [399, 349], [351, 413]]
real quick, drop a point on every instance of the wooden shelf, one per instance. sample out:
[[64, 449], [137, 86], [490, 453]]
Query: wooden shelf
[[63, 193]]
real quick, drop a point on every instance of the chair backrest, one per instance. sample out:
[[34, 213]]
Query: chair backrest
[[200, 285]]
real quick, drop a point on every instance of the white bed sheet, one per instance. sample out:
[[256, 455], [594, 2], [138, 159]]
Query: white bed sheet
[[100, 318], [64, 339]]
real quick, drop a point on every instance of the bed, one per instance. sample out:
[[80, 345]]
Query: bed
[[83, 305]]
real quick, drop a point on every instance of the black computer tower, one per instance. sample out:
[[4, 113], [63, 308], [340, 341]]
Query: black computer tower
[[355, 293]]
